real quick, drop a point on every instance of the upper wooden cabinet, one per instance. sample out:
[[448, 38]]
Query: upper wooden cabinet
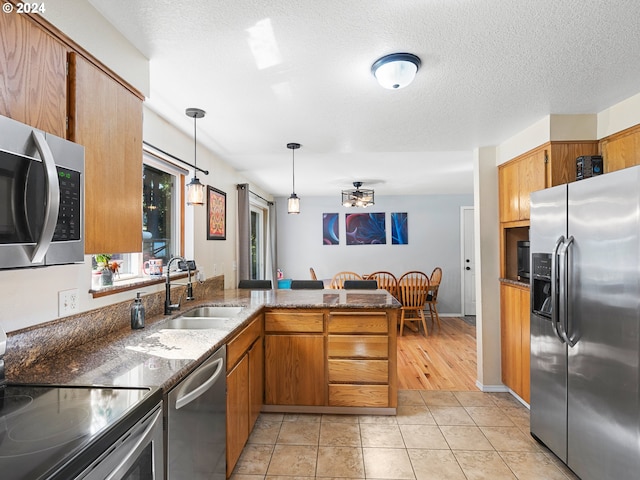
[[106, 118], [33, 86], [621, 150], [551, 164], [89, 105]]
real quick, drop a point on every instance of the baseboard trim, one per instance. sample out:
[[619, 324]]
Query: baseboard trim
[[501, 389]]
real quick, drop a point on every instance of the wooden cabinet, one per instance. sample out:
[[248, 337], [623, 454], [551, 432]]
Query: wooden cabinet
[[517, 179], [244, 388], [551, 164], [106, 118], [621, 150], [358, 359], [51, 83], [294, 358], [330, 359], [33, 67], [515, 338]]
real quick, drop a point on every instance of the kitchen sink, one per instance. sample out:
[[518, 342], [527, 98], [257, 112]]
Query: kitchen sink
[[208, 312], [195, 323]]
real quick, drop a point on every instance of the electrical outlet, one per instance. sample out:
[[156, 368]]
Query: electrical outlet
[[67, 302]]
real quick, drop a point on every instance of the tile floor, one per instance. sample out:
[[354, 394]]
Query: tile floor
[[436, 435]]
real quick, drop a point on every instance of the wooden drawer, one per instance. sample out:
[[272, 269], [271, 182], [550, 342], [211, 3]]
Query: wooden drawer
[[358, 371], [353, 322], [237, 347], [302, 322], [358, 346], [359, 395]]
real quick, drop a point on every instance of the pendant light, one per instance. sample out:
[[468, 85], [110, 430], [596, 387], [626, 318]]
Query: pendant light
[[396, 70], [294, 202], [360, 197], [195, 189]]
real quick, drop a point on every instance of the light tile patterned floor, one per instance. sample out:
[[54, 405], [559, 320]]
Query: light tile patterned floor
[[436, 435]]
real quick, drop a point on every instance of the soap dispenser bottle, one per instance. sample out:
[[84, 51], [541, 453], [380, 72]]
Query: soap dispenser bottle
[[137, 313]]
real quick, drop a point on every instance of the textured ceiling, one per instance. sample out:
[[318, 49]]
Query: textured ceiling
[[273, 72]]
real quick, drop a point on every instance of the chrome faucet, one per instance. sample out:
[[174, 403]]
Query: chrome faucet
[[168, 306]]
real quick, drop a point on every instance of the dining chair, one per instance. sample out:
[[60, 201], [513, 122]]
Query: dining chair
[[360, 285], [432, 296], [413, 288], [338, 279], [313, 273], [255, 284], [307, 285], [386, 280]]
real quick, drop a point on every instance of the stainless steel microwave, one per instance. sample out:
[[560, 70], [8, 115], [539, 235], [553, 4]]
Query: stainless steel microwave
[[41, 198]]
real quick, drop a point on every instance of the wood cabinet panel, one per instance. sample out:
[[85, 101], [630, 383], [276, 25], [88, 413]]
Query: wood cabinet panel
[[357, 346], [237, 412], [239, 345], [294, 370], [358, 371], [621, 150], [107, 119], [358, 322], [509, 188], [531, 177], [562, 163], [256, 381], [515, 338], [33, 70], [302, 322], [359, 395]]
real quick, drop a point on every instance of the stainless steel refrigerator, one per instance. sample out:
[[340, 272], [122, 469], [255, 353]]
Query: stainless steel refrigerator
[[585, 324]]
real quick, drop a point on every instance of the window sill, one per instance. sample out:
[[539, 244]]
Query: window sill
[[134, 283]]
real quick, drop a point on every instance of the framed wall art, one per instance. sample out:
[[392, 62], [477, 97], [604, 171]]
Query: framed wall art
[[216, 214], [365, 229], [399, 228], [330, 229]]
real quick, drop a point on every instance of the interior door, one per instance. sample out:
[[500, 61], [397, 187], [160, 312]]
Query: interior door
[[468, 263]]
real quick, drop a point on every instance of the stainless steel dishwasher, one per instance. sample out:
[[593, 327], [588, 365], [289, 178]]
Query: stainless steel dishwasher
[[196, 418]]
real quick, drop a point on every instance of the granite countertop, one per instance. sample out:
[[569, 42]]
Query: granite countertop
[[517, 283], [159, 357]]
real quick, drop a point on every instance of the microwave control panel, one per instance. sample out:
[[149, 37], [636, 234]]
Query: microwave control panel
[[68, 226]]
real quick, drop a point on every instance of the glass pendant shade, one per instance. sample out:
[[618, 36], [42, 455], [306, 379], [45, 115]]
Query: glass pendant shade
[[294, 204], [195, 192], [396, 71]]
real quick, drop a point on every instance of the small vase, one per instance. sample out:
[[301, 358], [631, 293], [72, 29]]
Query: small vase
[[106, 277]]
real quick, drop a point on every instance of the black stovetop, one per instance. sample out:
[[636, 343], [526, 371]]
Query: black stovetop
[[51, 432]]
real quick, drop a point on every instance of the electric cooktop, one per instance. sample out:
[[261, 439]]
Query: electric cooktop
[[51, 432]]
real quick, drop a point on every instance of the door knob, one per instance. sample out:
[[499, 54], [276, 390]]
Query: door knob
[[468, 268]]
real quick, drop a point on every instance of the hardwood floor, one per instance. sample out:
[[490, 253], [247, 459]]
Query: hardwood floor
[[445, 360]]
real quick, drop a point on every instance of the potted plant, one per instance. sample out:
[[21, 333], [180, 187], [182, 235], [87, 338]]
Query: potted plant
[[106, 267]]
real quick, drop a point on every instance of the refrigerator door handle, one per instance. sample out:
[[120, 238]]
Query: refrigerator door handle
[[555, 312], [564, 291]]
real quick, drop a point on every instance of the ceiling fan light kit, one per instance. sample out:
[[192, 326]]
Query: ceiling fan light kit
[[396, 70], [358, 197]]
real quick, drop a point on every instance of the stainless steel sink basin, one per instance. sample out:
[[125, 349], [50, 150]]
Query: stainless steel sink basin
[[195, 323], [207, 312]]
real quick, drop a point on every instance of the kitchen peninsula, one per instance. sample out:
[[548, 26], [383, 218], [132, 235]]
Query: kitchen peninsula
[[287, 350]]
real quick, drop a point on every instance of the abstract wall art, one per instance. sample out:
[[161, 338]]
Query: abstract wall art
[[330, 229], [365, 228], [216, 214], [399, 229]]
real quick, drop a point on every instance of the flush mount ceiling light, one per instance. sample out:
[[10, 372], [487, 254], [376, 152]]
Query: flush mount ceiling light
[[294, 202], [358, 197], [396, 70], [195, 189]]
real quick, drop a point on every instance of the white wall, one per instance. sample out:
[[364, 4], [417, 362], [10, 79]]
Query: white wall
[[434, 240]]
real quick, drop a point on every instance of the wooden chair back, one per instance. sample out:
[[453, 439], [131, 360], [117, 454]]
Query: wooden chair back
[[338, 279], [432, 298], [413, 288], [386, 280], [313, 273]]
